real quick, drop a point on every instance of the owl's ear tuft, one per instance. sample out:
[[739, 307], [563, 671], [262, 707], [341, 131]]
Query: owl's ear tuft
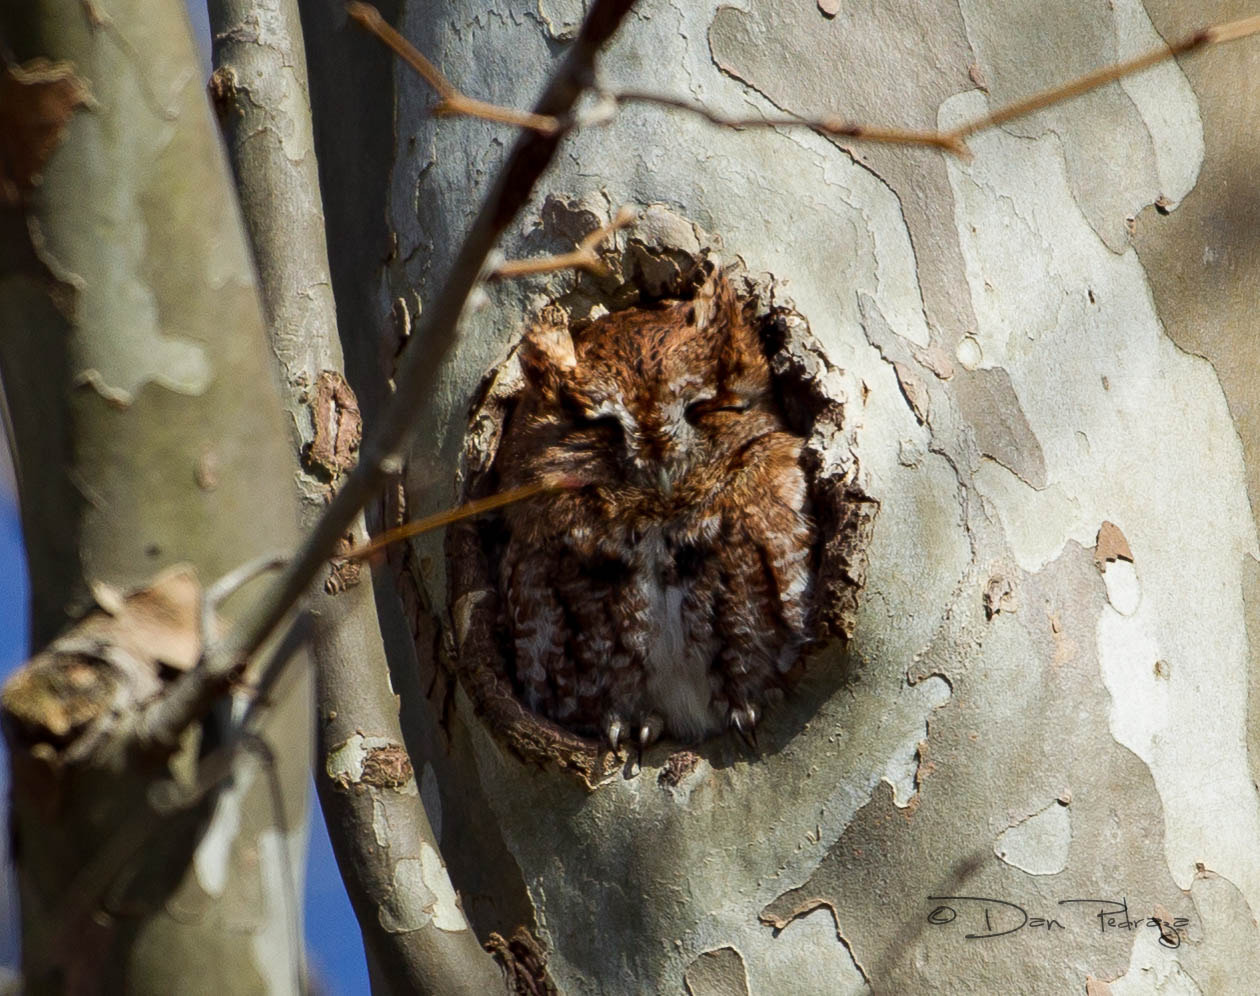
[[547, 353], [715, 307]]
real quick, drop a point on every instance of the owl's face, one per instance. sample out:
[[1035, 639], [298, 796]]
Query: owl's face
[[649, 401]]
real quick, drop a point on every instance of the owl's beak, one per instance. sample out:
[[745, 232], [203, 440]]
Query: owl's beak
[[663, 481]]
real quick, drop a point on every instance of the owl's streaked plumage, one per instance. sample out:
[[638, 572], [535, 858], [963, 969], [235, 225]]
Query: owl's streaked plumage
[[670, 590]]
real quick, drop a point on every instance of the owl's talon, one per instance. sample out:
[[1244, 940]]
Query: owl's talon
[[650, 731], [613, 729], [744, 721]]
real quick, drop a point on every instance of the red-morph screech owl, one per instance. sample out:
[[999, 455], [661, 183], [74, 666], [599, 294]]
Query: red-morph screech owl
[[666, 590]]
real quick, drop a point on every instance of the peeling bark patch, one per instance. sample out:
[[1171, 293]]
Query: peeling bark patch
[[37, 100], [113, 659], [988, 400], [909, 765], [374, 761], [343, 573], [387, 767], [446, 911], [937, 360], [999, 596], [338, 426], [524, 962], [678, 766], [223, 92], [719, 972], [1111, 545], [913, 390], [1114, 560], [1039, 844], [424, 877], [400, 917], [784, 911], [562, 17]]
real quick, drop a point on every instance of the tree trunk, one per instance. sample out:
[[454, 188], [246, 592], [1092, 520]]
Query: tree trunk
[[1015, 369], [148, 434], [1043, 353]]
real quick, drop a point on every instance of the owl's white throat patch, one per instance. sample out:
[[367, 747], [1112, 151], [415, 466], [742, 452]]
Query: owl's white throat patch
[[677, 680]]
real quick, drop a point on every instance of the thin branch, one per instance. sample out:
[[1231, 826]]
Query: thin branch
[[828, 125], [342, 643], [438, 519], [584, 257], [452, 102], [954, 141], [229, 584], [1217, 34]]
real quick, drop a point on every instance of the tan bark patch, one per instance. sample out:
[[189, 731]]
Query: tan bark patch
[[387, 767], [1111, 546], [338, 426], [719, 972], [37, 100]]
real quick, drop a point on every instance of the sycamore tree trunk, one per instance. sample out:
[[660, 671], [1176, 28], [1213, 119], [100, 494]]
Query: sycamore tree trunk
[[152, 454], [1029, 767], [1029, 770]]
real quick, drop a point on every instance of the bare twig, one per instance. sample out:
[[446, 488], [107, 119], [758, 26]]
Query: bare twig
[[452, 102], [954, 141], [828, 125], [438, 519], [584, 257], [229, 584], [1217, 34], [163, 721]]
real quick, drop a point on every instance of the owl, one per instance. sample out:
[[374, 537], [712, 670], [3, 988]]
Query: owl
[[665, 588]]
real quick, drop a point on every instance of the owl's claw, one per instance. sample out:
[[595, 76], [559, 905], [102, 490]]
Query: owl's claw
[[614, 727], [650, 730], [744, 721]]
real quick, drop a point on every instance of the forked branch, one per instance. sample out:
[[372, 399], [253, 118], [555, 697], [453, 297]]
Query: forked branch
[[452, 102], [584, 257]]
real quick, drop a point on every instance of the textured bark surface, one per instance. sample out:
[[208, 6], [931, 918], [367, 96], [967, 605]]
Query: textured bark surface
[[1027, 723]]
